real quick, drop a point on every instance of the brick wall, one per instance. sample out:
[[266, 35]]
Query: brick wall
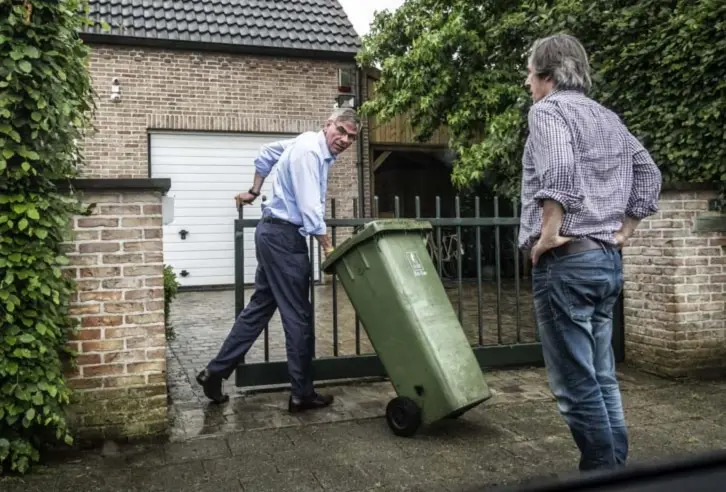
[[116, 260], [675, 290], [181, 90]]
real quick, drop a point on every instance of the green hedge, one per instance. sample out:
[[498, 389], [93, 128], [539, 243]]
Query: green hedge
[[660, 64], [45, 105]]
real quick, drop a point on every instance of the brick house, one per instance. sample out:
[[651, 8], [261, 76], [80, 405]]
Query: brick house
[[189, 91]]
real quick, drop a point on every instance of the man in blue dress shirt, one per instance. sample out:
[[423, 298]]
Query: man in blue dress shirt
[[295, 211]]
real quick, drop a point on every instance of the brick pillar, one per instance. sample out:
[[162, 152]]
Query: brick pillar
[[117, 262], [675, 289]]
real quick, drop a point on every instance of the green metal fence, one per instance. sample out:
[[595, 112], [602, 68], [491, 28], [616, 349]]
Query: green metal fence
[[495, 309]]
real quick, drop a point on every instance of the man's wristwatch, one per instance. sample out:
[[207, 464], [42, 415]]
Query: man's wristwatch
[[253, 193]]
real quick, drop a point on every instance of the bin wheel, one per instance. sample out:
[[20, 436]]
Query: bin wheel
[[403, 416]]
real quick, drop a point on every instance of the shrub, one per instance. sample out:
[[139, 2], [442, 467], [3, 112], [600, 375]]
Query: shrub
[[171, 285], [45, 104], [659, 64]]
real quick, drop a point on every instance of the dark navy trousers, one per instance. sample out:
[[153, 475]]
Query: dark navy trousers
[[282, 281]]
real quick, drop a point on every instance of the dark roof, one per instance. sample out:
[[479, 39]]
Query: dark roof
[[311, 26]]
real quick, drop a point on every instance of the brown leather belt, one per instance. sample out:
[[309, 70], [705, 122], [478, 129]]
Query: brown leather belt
[[578, 245]]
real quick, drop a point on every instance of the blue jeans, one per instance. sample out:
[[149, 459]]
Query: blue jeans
[[574, 297]]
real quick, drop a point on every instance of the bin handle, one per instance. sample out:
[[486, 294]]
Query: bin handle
[[347, 269]]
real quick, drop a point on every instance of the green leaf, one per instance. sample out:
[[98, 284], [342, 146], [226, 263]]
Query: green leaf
[[33, 213], [25, 66], [41, 328], [31, 52], [26, 338], [25, 166], [23, 224], [41, 233]]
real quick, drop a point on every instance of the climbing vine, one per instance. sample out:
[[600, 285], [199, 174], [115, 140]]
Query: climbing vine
[[46, 105]]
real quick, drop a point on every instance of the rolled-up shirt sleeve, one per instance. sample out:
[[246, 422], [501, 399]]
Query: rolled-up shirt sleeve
[[269, 155], [647, 179], [305, 178], [554, 159]]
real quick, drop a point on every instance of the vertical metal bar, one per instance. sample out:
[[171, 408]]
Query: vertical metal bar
[[375, 207], [457, 211], [497, 254], [478, 273], [438, 234], [312, 243], [515, 205], [418, 207], [335, 285], [357, 320], [239, 266], [396, 207]]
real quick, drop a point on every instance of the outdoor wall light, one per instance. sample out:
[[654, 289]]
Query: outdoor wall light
[[345, 101], [115, 90]]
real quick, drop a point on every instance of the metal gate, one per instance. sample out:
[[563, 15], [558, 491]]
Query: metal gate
[[485, 276]]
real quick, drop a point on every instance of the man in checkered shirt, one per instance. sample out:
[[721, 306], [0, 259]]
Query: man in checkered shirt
[[586, 184]]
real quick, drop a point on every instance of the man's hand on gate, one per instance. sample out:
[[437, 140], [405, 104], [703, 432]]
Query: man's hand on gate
[[545, 244], [244, 198]]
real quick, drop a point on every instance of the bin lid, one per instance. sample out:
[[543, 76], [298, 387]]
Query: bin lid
[[369, 231]]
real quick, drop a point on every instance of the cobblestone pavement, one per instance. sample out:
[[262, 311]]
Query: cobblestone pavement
[[202, 320], [252, 444], [515, 437]]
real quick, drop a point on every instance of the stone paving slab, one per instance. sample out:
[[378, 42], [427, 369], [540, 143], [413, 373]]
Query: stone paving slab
[[515, 437]]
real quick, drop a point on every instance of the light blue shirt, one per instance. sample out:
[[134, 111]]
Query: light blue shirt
[[299, 180]]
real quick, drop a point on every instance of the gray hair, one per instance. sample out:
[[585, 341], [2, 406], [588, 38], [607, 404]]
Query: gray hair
[[345, 115], [563, 58]]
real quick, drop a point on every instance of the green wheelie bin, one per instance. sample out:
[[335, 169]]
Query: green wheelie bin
[[395, 289]]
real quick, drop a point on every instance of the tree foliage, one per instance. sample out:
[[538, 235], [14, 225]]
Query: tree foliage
[[45, 106], [659, 64]]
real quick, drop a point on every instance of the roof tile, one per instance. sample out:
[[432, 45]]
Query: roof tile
[[315, 25]]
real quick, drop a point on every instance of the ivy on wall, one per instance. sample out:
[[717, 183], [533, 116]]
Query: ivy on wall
[[46, 105]]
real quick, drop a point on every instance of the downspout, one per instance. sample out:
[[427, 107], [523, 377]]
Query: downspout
[[359, 163]]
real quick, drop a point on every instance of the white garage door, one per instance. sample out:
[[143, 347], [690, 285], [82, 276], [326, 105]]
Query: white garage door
[[207, 170]]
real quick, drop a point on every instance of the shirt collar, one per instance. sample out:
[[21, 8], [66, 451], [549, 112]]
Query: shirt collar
[[327, 156], [555, 92]]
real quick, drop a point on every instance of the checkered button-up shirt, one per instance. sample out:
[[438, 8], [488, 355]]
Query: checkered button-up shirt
[[581, 155]]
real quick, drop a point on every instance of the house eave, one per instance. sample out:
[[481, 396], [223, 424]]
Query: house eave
[[133, 41]]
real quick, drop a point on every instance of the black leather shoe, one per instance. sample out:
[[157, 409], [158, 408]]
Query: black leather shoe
[[212, 386], [297, 405]]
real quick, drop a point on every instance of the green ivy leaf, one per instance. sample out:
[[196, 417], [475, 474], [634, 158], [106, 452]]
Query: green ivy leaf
[[25, 66], [23, 224], [31, 52], [33, 213], [26, 338]]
